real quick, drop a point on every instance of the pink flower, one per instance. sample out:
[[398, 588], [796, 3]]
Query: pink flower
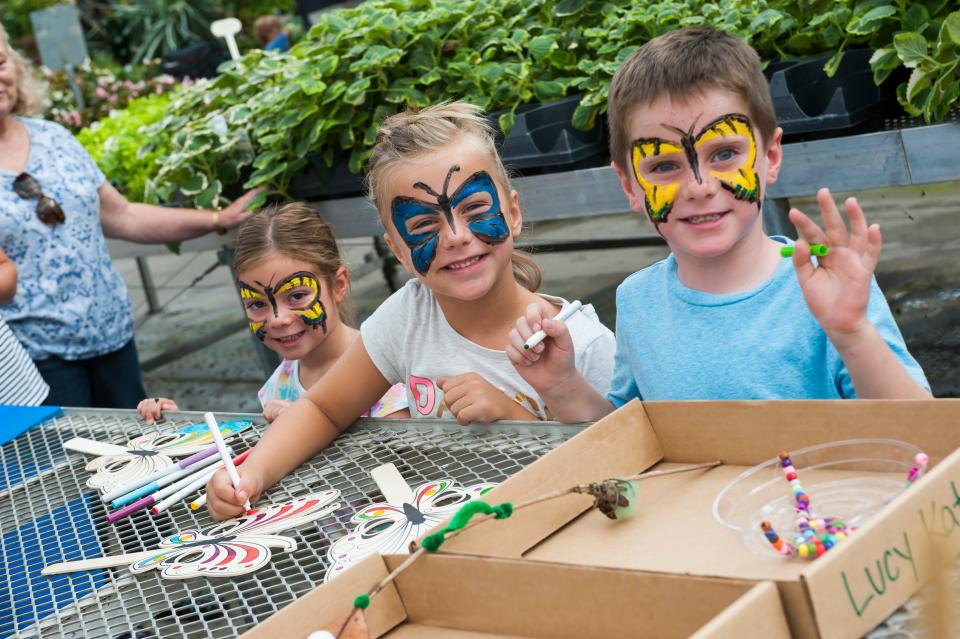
[[100, 92]]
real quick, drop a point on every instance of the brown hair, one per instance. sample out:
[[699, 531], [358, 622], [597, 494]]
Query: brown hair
[[31, 93], [681, 64], [296, 231], [266, 28], [414, 132]]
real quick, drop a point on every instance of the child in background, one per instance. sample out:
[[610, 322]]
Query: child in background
[[451, 218], [20, 381], [270, 34], [294, 287], [695, 143]]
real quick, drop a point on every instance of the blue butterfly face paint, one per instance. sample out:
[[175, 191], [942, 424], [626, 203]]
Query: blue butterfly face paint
[[488, 226]]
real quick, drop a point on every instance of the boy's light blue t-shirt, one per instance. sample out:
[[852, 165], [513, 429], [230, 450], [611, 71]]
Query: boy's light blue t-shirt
[[674, 342]]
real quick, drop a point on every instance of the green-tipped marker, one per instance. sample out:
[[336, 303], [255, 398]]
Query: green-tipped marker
[[815, 249]]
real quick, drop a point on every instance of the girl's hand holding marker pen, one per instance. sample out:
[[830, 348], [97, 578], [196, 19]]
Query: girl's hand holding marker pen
[[562, 316], [224, 454]]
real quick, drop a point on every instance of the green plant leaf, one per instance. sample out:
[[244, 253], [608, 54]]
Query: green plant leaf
[[870, 21], [546, 91], [357, 91], [207, 198], [830, 68], [951, 28], [911, 47], [541, 46], [194, 185], [585, 116], [506, 121], [920, 79], [566, 8]]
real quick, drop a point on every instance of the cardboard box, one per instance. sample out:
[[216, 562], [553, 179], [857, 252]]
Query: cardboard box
[[844, 593], [473, 597]]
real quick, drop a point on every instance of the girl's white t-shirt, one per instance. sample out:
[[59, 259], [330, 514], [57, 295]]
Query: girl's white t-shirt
[[410, 341]]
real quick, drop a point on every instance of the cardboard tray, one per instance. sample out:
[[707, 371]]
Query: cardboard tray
[[844, 593], [473, 597]]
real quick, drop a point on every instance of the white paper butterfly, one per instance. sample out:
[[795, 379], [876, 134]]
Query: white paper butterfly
[[147, 454], [389, 528]]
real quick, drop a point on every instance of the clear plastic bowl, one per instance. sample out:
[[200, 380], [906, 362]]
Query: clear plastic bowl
[[850, 480]]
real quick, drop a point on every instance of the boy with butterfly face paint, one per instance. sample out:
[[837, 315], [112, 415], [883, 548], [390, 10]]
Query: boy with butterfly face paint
[[695, 144], [450, 218], [294, 287]]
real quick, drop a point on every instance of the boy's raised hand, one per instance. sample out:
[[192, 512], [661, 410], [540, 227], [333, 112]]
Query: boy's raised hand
[[549, 363], [837, 289], [223, 501]]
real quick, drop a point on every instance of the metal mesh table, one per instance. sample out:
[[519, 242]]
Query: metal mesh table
[[47, 515]]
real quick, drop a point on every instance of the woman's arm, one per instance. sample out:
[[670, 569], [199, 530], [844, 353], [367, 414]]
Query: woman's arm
[[150, 224], [8, 279]]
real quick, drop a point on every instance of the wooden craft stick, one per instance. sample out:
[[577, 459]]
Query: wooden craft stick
[[97, 562], [91, 447], [395, 490]]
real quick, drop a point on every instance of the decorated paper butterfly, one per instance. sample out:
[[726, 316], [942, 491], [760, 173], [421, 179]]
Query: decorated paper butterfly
[[228, 549], [147, 454], [389, 528], [237, 546]]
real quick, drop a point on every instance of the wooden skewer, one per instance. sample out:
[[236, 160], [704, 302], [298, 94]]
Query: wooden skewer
[[99, 562]]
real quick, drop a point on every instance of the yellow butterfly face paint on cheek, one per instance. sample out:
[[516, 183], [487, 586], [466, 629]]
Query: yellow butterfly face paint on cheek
[[741, 180], [255, 305], [658, 198], [313, 313]]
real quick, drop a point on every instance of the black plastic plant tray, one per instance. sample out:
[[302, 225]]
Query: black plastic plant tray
[[807, 100]]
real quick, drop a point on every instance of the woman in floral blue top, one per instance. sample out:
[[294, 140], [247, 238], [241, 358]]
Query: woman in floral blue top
[[71, 311]]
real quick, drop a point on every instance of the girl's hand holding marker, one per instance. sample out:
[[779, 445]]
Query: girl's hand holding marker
[[526, 344], [562, 316]]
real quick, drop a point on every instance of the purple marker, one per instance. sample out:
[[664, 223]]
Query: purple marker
[[169, 478], [137, 483]]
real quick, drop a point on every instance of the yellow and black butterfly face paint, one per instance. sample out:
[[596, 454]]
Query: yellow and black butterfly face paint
[[299, 293], [658, 198], [740, 180], [252, 301], [735, 171], [307, 305]]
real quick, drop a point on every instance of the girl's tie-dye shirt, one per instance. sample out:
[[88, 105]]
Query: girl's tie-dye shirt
[[285, 385]]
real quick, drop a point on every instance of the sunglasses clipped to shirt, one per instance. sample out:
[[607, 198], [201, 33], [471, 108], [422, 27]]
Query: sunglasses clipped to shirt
[[49, 212]]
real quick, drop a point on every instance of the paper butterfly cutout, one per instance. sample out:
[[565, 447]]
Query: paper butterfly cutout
[[236, 546], [388, 528], [149, 453]]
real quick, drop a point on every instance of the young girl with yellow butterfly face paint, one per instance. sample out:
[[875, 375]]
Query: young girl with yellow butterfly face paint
[[294, 289], [695, 145]]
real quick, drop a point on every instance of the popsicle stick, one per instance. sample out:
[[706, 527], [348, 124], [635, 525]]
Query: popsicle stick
[[395, 490], [98, 562], [91, 447]]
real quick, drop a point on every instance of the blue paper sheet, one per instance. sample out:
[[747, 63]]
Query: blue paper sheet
[[15, 420]]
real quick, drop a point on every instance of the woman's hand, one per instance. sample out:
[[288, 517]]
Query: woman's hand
[[236, 213]]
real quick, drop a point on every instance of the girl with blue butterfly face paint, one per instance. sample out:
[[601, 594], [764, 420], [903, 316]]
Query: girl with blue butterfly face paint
[[451, 219]]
